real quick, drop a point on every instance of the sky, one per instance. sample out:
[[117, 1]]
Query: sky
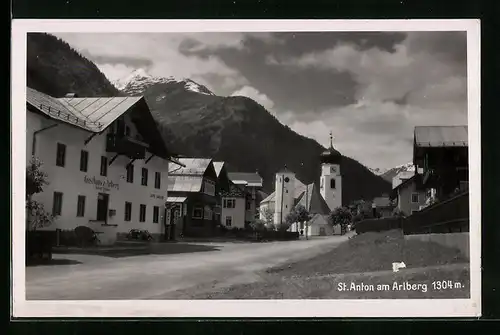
[[370, 89]]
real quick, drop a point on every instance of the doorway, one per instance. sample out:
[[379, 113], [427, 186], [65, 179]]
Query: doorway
[[102, 207]]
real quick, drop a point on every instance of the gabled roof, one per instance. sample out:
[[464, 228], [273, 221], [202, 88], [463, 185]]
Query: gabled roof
[[192, 167], [234, 191], [246, 178], [441, 136], [218, 167], [417, 178], [96, 114], [313, 201], [91, 114], [184, 183]]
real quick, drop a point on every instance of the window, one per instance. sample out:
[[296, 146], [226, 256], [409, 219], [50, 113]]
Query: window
[[156, 214], [209, 187], [414, 198], [142, 213], [197, 213], [104, 166], [157, 180], [229, 203], [128, 211], [57, 203], [229, 221], [80, 206], [130, 173], [332, 183], [61, 154], [144, 177], [84, 160], [322, 183], [207, 213]]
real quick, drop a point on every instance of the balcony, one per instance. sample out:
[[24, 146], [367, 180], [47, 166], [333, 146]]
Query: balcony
[[126, 145]]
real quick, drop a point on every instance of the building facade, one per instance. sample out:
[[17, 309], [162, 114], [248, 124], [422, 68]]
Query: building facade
[[106, 164], [193, 198], [251, 183], [410, 195]]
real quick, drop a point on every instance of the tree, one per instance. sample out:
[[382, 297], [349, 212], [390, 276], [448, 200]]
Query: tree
[[36, 179], [340, 216], [267, 217], [298, 214]]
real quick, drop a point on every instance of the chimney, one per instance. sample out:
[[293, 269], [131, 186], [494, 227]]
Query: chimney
[[70, 95]]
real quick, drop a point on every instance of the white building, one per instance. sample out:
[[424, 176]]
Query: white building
[[106, 162], [291, 192]]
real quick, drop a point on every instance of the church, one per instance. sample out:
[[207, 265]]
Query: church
[[290, 192]]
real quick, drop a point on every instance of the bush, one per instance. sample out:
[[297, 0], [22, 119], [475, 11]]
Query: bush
[[341, 216], [398, 213], [36, 179]]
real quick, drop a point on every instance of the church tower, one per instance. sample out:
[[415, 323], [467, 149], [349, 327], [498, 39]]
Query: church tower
[[284, 200], [331, 179]]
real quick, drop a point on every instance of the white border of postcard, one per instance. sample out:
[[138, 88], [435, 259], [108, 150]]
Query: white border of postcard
[[241, 308]]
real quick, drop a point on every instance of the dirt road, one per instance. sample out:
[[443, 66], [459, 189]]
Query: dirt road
[[164, 276]]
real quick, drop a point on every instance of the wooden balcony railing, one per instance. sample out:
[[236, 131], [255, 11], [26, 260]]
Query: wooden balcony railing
[[126, 145]]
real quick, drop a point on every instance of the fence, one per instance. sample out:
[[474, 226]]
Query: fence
[[376, 225], [448, 216]]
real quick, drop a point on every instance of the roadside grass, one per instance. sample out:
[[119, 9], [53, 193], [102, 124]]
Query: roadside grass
[[374, 252], [329, 288], [364, 259]]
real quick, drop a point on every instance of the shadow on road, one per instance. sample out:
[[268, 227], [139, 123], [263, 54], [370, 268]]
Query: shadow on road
[[153, 249], [59, 261]]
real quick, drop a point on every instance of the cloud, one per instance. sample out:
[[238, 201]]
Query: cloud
[[414, 70], [254, 94], [118, 54], [421, 82]]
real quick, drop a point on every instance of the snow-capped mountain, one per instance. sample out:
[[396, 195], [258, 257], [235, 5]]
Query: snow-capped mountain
[[140, 80], [391, 173]]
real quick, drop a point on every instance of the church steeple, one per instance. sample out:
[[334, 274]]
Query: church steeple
[[331, 155]]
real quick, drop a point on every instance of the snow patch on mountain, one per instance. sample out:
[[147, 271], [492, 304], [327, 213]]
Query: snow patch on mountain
[[140, 80], [377, 171]]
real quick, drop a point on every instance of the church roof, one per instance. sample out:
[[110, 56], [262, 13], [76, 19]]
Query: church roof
[[313, 201]]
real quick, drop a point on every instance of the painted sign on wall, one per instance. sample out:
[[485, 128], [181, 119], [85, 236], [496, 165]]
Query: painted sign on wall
[[101, 184], [156, 196]]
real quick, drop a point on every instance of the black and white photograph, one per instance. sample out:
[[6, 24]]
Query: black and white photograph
[[246, 168]]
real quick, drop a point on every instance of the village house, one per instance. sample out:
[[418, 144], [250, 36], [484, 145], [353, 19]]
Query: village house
[[382, 206], [106, 162], [442, 153], [193, 197], [251, 183], [409, 195]]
